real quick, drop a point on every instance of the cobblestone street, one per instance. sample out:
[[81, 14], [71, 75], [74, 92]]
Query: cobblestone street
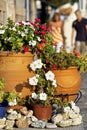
[[83, 101]]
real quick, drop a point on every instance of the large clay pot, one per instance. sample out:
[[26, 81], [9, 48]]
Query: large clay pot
[[68, 82], [15, 69], [42, 112]]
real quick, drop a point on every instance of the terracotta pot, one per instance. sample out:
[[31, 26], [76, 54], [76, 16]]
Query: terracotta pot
[[14, 68], [42, 112], [68, 82]]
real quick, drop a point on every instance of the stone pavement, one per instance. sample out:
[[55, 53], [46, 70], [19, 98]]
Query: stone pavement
[[80, 127], [83, 101]]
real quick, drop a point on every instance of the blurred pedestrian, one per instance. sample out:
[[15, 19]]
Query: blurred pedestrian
[[80, 25], [56, 29], [68, 11]]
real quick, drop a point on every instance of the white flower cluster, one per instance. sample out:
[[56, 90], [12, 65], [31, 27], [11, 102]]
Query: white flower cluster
[[2, 31], [49, 76], [37, 64], [13, 103], [33, 43], [41, 96]]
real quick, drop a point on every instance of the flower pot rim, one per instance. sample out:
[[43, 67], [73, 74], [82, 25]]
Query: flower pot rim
[[16, 54]]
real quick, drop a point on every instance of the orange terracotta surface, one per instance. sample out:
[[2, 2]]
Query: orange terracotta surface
[[15, 69], [68, 81], [42, 112]]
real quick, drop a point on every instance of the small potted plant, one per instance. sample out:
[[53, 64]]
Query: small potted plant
[[6, 98], [44, 84]]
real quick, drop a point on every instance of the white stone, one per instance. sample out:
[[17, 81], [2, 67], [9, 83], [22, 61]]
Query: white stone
[[51, 126], [14, 112], [77, 121], [9, 110], [57, 118], [12, 116], [19, 115], [72, 114], [10, 123], [30, 113], [33, 118], [65, 123], [29, 121]]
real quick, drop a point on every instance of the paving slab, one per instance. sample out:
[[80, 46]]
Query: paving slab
[[79, 127]]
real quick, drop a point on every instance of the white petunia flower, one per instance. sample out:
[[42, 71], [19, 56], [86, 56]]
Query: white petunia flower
[[1, 26], [43, 96], [37, 64], [14, 29], [2, 31], [19, 32], [22, 34], [33, 81], [34, 95], [33, 66], [49, 75], [54, 83], [26, 31], [33, 43], [13, 103], [32, 35], [39, 39], [67, 109]]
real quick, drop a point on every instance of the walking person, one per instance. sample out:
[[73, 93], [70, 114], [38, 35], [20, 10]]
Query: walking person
[[68, 11], [80, 25], [56, 29]]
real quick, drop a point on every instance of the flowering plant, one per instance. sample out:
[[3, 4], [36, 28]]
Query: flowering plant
[[44, 83], [10, 97], [23, 36], [61, 59]]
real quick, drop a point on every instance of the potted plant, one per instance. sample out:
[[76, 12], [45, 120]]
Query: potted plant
[[66, 67], [6, 98], [44, 84], [18, 44]]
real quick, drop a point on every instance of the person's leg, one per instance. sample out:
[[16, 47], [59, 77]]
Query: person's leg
[[77, 46], [83, 48]]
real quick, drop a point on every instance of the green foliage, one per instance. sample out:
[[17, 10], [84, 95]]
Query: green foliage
[[8, 96], [63, 60], [57, 3], [2, 83]]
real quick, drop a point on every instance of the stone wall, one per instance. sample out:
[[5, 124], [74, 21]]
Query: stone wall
[[12, 9]]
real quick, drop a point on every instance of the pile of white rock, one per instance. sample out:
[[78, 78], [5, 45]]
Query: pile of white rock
[[24, 118], [70, 116]]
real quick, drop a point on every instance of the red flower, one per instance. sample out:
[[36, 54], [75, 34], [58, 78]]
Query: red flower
[[43, 40], [54, 66], [36, 32], [37, 20], [43, 27], [20, 23], [26, 49], [43, 33], [76, 53]]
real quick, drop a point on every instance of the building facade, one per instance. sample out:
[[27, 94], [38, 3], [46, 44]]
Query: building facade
[[83, 7], [17, 10]]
